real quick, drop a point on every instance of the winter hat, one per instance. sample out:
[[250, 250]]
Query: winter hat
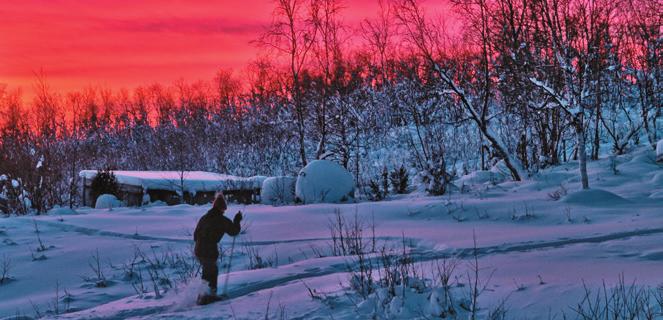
[[220, 201]]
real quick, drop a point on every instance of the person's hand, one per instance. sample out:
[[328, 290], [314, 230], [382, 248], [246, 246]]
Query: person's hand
[[238, 217]]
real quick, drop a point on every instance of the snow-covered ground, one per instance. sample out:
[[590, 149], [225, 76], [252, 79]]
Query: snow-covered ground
[[535, 252]]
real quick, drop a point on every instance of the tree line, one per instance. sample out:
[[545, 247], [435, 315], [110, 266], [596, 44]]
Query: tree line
[[524, 84]]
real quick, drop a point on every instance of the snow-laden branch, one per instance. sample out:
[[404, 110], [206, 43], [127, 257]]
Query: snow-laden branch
[[564, 103]]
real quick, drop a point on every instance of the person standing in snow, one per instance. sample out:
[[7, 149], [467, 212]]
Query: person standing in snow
[[209, 231]]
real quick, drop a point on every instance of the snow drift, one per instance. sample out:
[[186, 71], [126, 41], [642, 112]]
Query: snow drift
[[107, 201], [594, 197], [480, 177], [278, 190], [657, 180], [324, 181], [62, 211]]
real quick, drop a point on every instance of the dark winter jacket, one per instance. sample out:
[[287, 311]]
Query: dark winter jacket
[[209, 231]]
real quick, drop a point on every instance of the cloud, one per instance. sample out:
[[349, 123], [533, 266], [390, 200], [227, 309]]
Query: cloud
[[202, 26]]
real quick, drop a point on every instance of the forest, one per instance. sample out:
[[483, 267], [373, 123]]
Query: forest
[[518, 84]]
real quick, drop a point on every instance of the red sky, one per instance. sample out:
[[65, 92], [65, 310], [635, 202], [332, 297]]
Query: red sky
[[127, 43]]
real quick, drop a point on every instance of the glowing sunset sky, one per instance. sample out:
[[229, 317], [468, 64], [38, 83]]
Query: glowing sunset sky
[[126, 43]]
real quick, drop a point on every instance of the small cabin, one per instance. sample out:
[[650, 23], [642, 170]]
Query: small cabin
[[175, 187]]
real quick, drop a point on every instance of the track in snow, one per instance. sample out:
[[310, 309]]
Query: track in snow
[[244, 289]]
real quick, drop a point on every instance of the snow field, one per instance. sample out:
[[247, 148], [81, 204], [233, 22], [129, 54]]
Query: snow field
[[537, 242]]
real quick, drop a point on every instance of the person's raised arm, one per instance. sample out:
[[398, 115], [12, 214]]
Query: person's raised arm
[[233, 228]]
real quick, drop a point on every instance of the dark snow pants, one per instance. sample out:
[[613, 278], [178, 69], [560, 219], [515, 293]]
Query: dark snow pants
[[210, 272]]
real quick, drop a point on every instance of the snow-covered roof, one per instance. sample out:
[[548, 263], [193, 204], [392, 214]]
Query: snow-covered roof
[[193, 181]]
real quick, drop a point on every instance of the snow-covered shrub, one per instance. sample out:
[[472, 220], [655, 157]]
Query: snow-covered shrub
[[622, 301], [324, 181], [376, 193], [558, 194], [278, 190], [378, 188], [98, 278], [399, 180], [436, 178], [107, 201], [348, 235], [104, 182], [659, 151], [14, 198], [257, 260], [5, 269], [401, 292], [146, 199], [385, 181]]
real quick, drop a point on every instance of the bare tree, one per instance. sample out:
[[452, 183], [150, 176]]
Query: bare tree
[[379, 33], [572, 53], [292, 35], [643, 57], [426, 39], [328, 53]]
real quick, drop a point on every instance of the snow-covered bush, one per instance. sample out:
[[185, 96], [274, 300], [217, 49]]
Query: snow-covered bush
[[98, 277], [278, 190], [376, 193], [400, 180], [401, 291], [107, 201], [146, 199], [659, 151], [104, 182], [14, 198], [324, 181], [436, 178], [5, 269], [621, 301]]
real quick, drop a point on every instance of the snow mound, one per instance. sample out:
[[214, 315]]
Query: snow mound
[[278, 190], [480, 177], [594, 197], [107, 201], [658, 179], [157, 203], [656, 194], [642, 158], [62, 211], [324, 181], [659, 151]]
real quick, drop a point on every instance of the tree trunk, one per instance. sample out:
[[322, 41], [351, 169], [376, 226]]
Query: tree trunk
[[510, 163], [582, 153], [300, 123], [597, 129], [483, 156]]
